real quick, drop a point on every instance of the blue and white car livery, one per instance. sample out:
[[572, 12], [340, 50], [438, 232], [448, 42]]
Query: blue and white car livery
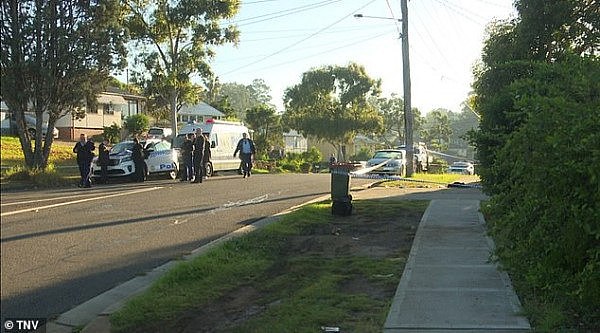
[[159, 159]]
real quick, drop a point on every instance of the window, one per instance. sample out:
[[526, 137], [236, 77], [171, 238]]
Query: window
[[108, 109]]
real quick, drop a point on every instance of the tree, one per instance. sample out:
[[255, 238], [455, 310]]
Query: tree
[[55, 56], [177, 36], [437, 129], [241, 98], [331, 103], [267, 127], [392, 111], [537, 95], [137, 124]]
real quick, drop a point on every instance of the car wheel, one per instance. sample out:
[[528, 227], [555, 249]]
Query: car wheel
[[173, 173], [209, 169]]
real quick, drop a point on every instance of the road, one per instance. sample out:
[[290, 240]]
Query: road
[[60, 248]]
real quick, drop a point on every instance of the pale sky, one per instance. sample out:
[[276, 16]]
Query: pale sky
[[281, 39]]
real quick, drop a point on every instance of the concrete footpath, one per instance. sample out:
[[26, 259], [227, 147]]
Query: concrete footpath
[[449, 283]]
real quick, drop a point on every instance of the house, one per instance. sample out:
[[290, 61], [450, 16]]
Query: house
[[347, 151], [112, 106], [294, 142], [200, 113]]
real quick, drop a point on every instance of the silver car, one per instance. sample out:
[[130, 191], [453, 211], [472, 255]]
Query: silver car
[[396, 164]]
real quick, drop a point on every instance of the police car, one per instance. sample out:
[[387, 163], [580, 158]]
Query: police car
[[159, 159]]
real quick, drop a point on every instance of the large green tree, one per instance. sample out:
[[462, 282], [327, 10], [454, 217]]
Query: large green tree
[[239, 97], [54, 56], [392, 111], [437, 129], [331, 103], [266, 124], [175, 39]]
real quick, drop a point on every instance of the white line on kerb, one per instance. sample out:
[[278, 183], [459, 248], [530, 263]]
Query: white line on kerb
[[79, 201]]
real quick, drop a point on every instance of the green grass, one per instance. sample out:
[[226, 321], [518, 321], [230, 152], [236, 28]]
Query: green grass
[[61, 169], [300, 292], [431, 180], [61, 153]]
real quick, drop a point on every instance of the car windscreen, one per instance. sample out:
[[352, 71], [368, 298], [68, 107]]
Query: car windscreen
[[155, 131], [388, 155], [121, 147]]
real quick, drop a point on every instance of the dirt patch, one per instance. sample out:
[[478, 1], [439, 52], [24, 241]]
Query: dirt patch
[[361, 234]]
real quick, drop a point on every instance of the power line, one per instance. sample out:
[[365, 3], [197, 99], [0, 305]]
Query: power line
[[320, 53], [394, 17], [300, 41], [282, 13]]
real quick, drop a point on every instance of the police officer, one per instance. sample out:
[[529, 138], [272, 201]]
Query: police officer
[[207, 156], [84, 149], [137, 155], [199, 143], [103, 159], [187, 153], [247, 150]]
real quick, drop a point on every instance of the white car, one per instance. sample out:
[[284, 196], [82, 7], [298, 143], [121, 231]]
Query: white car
[[160, 159], [463, 168], [396, 162]]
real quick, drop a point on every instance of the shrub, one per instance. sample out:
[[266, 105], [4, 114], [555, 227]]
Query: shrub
[[137, 124], [112, 133], [546, 213]]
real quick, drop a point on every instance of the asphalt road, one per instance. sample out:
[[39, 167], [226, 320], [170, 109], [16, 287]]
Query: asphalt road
[[60, 248]]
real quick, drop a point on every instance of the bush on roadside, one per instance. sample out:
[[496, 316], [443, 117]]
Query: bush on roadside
[[545, 214], [46, 178]]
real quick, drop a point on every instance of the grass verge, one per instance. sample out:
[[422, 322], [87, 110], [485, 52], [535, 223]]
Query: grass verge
[[427, 180], [308, 270]]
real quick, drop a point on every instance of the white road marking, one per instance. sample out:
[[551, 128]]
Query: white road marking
[[47, 199], [36, 209]]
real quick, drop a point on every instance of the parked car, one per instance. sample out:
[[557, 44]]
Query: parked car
[[396, 164], [9, 126], [422, 157], [463, 168], [159, 133], [160, 159]]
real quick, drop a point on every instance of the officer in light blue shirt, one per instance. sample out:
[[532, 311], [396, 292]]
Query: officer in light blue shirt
[[247, 149]]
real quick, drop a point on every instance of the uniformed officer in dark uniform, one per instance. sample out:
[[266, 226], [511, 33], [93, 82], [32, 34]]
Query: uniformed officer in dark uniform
[[137, 155], [199, 143], [84, 149], [103, 159]]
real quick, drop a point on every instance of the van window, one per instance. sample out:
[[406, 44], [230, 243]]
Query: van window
[[214, 137]]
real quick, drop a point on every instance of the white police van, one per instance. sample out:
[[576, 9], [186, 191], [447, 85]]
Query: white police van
[[159, 159], [223, 137]]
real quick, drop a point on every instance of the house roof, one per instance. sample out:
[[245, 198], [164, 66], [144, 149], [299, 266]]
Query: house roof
[[118, 91], [200, 109]]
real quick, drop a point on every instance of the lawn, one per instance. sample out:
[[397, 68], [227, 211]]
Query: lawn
[[62, 167], [61, 153], [306, 271]]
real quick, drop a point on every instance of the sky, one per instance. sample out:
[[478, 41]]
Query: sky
[[281, 39]]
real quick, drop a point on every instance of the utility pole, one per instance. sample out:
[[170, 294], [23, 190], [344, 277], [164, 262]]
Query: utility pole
[[408, 116]]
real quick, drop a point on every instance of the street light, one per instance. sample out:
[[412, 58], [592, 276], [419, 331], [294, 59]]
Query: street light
[[408, 117], [377, 17]]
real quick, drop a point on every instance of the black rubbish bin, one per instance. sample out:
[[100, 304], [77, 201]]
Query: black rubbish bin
[[340, 183]]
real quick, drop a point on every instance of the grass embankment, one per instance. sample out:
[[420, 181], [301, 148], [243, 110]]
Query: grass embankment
[[60, 170], [308, 270]]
